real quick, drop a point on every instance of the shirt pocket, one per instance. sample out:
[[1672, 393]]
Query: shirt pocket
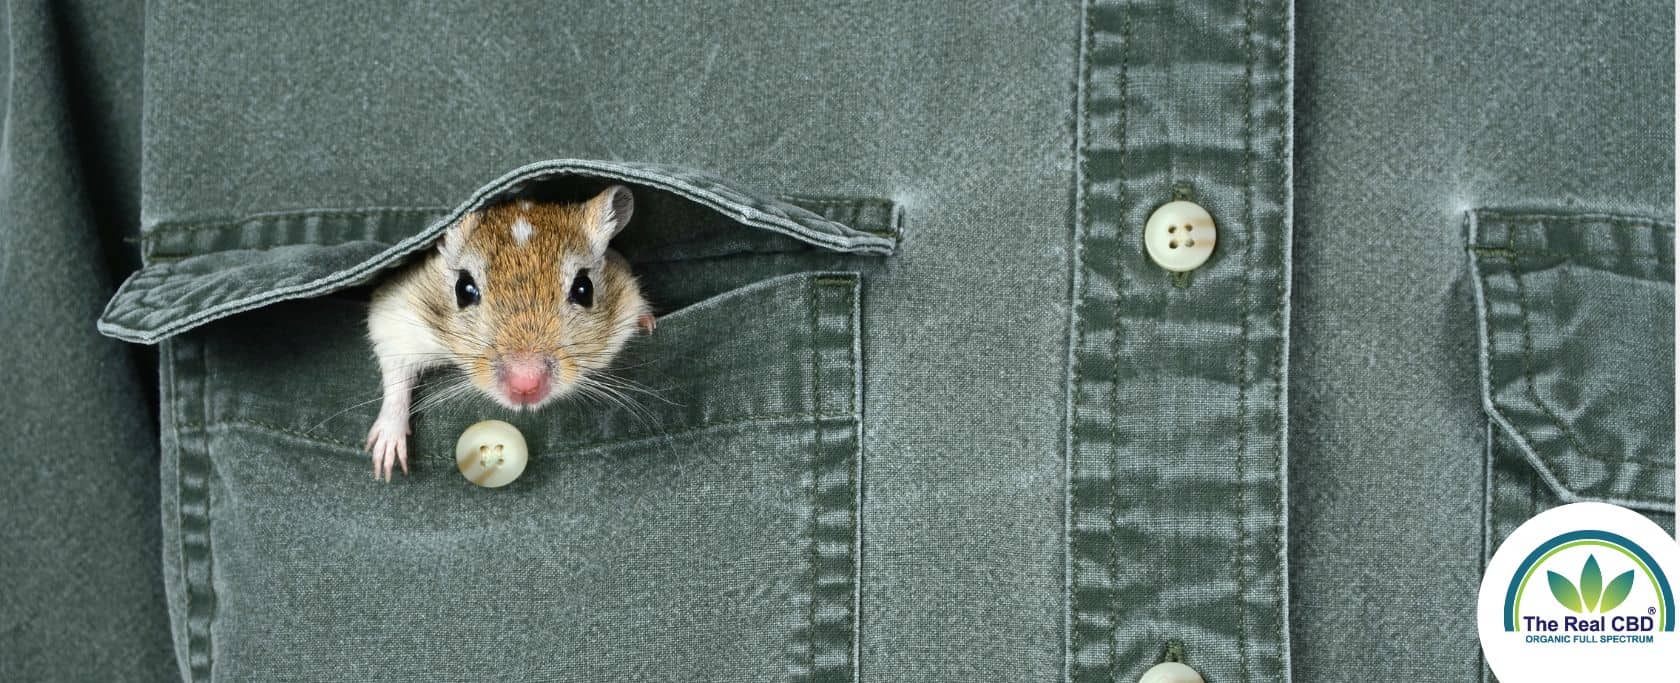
[[1575, 313], [707, 526]]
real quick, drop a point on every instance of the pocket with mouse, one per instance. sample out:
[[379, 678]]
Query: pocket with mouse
[[524, 298], [730, 497]]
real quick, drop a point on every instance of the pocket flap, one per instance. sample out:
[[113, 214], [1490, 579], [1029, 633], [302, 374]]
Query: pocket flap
[[1576, 318], [170, 296]]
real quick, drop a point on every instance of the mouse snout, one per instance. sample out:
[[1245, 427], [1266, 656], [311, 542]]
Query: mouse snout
[[525, 378]]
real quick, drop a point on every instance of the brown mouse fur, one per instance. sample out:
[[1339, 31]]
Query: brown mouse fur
[[526, 337]]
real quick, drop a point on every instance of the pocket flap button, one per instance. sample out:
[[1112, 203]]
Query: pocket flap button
[[491, 453]]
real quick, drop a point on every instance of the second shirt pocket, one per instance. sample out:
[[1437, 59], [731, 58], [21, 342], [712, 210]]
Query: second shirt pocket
[[1575, 313]]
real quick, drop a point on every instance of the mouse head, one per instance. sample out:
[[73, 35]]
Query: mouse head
[[531, 302]]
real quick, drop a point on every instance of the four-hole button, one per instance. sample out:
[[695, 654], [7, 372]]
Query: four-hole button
[[1180, 236], [491, 453]]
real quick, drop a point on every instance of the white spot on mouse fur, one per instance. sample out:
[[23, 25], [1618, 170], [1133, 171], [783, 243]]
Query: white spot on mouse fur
[[522, 230]]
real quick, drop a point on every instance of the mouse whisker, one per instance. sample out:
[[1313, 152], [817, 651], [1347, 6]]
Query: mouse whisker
[[607, 396], [627, 385], [626, 388], [442, 396], [377, 398]]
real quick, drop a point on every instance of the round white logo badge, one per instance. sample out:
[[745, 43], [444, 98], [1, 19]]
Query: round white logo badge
[[1581, 592]]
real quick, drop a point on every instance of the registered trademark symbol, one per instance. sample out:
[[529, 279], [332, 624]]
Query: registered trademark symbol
[[1651, 610]]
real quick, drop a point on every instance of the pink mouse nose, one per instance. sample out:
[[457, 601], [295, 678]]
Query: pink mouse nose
[[525, 377]]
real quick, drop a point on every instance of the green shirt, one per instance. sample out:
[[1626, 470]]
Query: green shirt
[[927, 408]]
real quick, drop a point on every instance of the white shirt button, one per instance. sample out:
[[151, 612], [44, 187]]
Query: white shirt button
[[1170, 672], [491, 453], [1180, 236]]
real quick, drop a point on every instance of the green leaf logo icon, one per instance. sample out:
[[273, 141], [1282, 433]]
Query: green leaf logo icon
[[1592, 583], [1617, 591], [1593, 594], [1564, 591]]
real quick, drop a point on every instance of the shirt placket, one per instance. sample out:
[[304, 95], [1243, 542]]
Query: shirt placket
[[1177, 439]]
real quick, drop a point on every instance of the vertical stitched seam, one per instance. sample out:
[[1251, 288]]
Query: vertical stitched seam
[[173, 358], [1279, 368], [816, 473], [1078, 288], [1114, 615], [855, 400], [1242, 354], [209, 491], [1487, 524], [1533, 477], [194, 526]]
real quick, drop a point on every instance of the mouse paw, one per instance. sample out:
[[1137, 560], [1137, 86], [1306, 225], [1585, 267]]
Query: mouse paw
[[647, 322], [387, 442]]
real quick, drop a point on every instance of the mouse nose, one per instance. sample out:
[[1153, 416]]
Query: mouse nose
[[525, 377]]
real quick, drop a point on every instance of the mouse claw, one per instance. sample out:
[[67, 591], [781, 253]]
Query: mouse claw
[[647, 322], [387, 444]]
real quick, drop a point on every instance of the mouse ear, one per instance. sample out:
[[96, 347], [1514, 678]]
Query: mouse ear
[[455, 237], [609, 213]]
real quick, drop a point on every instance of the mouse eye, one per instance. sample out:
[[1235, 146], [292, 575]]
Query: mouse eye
[[583, 291], [466, 291]]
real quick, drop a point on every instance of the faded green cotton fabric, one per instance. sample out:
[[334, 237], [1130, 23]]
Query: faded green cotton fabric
[[1411, 120], [919, 406], [84, 595]]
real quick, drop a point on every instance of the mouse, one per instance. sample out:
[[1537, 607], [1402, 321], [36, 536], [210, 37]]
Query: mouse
[[523, 297]]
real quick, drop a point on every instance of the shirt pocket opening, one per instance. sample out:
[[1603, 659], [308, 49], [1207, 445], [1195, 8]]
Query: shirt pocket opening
[[222, 268], [765, 352]]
